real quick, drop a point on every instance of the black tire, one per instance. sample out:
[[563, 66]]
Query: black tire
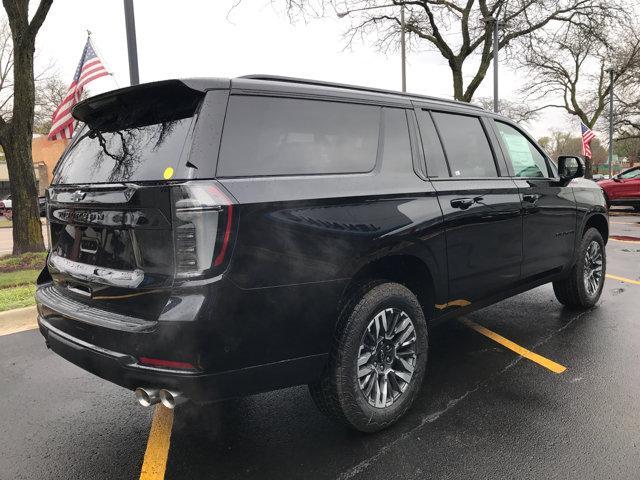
[[338, 393], [572, 291]]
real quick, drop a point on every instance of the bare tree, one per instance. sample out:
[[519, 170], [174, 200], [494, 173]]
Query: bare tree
[[565, 143], [519, 112], [460, 30], [16, 133], [570, 70], [50, 92]]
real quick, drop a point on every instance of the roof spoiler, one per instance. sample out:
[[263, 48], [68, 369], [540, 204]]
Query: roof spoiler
[[147, 103]]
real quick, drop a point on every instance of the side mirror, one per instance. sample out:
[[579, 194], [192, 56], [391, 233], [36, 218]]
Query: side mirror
[[570, 167]]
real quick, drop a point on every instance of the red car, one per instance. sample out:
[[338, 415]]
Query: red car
[[623, 189]]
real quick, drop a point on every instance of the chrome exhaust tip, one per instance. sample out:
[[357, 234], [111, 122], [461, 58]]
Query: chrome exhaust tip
[[147, 396], [170, 398]]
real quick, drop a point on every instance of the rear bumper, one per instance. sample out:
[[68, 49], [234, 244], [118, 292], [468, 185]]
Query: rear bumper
[[124, 370]]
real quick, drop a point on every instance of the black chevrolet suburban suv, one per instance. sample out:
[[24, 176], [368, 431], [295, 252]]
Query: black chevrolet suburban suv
[[215, 238]]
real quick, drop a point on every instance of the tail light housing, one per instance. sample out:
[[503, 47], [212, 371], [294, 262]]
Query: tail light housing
[[204, 227]]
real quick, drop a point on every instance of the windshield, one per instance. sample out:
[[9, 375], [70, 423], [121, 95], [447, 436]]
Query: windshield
[[148, 152]]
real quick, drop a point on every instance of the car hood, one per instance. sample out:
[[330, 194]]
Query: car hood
[[606, 183], [582, 182]]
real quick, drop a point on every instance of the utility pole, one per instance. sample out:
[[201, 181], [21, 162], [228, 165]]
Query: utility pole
[[132, 46], [496, 100], [611, 72], [403, 50]]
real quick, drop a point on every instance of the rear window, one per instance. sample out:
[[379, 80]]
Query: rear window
[[280, 136], [135, 135], [466, 145], [131, 154]]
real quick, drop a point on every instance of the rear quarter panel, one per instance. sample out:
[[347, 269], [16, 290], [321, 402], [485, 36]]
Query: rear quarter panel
[[301, 240]]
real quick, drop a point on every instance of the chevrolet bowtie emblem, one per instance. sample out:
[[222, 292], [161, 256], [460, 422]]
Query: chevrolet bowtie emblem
[[78, 195]]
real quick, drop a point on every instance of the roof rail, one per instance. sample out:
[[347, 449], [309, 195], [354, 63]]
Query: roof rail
[[320, 83]]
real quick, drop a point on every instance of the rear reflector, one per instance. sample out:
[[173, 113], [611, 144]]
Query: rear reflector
[[156, 362]]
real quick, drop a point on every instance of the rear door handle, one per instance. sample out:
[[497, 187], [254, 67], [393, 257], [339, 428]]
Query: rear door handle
[[530, 197], [464, 203]]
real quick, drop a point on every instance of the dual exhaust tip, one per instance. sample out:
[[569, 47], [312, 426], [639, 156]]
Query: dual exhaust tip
[[150, 396]]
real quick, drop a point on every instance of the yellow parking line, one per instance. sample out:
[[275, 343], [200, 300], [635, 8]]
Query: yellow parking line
[[155, 457], [622, 279], [534, 357], [625, 223]]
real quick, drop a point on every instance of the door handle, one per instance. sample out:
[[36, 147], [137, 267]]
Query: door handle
[[530, 197], [464, 203]]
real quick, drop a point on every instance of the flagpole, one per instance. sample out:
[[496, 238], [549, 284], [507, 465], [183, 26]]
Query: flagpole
[[102, 58], [611, 72]]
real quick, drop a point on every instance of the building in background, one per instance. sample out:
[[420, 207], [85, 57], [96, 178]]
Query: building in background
[[45, 156]]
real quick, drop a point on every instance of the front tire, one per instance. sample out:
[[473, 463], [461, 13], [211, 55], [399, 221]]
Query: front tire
[[378, 359], [583, 287]]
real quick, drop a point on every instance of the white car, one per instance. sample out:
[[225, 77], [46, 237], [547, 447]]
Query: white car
[[5, 207]]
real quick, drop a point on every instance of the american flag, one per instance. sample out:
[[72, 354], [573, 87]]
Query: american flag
[[587, 136], [89, 68]]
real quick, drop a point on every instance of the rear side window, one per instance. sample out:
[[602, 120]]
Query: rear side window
[[396, 146], [466, 145], [283, 136]]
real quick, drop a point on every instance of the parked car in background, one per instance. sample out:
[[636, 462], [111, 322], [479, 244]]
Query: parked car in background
[[597, 176], [623, 189], [245, 235], [5, 206], [42, 206]]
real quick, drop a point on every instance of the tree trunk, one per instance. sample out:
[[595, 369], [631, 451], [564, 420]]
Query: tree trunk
[[27, 229], [458, 86], [588, 167]]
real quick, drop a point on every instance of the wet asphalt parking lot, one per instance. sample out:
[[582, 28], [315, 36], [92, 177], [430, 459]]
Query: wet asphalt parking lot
[[484, 412]]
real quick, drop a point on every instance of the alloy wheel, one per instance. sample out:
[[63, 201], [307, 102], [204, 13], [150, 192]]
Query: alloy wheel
[[387, 357], [593, 268]]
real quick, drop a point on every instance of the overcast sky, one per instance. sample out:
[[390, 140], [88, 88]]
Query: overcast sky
[[193, 38]]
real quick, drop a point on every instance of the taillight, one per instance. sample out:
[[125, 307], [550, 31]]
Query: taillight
[[203, 226]]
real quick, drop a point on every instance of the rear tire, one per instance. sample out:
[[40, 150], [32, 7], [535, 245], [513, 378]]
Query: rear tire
[[583, 287], [378, 358]]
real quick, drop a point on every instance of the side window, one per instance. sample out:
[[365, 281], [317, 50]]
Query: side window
[[436, 163], [396, 148], [285, 136], [466, 145], [630, 174], [526, 159]]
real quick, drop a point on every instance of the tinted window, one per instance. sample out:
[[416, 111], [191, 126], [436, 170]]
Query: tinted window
[[466, 145], [526, 159], [137, 153], [436, 163], [279, 136], [397, 146]]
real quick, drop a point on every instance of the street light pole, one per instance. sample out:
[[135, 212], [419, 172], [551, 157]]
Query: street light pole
[[496, 100], [132, 47], [403, 50], [611, 72]]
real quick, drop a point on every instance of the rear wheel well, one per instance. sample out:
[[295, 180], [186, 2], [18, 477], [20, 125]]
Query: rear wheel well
[[599, 222], [406, 270]]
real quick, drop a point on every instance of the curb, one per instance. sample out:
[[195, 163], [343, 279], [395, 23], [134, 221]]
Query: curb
[[18, 320]]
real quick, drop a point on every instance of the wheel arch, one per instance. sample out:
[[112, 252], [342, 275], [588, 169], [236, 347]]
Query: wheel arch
[[599, 222], [407, 270]]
